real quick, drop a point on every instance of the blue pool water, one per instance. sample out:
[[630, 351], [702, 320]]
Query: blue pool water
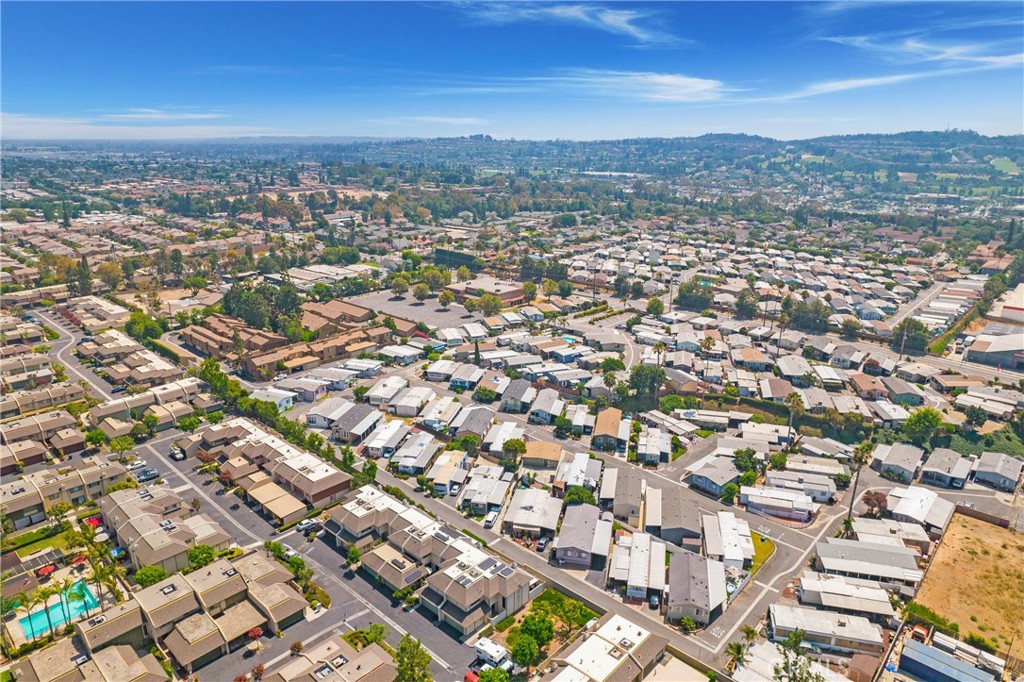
[[36, 624]]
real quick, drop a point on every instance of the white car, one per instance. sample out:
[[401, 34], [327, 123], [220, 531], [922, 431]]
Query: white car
[[289, 553], [136, 465]]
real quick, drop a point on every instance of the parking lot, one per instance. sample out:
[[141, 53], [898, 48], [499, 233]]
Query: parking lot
[[408, 308]]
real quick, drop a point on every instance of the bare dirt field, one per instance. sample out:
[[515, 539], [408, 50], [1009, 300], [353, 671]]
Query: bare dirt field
[[977, 581]]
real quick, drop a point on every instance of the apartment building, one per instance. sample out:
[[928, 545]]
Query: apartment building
[[26, 500]]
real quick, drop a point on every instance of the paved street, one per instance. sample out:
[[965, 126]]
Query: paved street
[[62, 349], [355, 603]]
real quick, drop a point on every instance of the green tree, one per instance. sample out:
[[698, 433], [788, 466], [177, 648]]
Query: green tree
[[529, 291], [513, 448], [399, 286], [910, 335], [729, 493], [194, 283], [493, 675], [646, 379], [525, 650], [464, 274], [612, 365], [110, 273], [151, 421], [975, 415], [95, 438], [421, 292], [850, 327], [490, 304], [122, 444], [200, 555], [354, 555], [794, 667], [577, 494], [655, 306], [549, 287], [921, 425], [445, 298], [188, 424], [150, 575], [737, 653], [746, 305], [540, 627], [370, 470], [57, 512], [412, 662], [861, 456]]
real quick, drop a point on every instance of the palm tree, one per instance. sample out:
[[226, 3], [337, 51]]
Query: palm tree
[[861, 456], [99, 575], [7, 604], [77, 593], [796, 407], [65, 587], [749, 634], [44, 595], [737, 653], [659, 349], [27, 602]]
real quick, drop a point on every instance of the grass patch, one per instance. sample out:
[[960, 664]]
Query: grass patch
[[6, 676], [505, 624], [54, 542], [1005, 165], [33, 536], [763, 550], [1004, 440], [358, 640], [475, 537], [557, 604], [704, 433]]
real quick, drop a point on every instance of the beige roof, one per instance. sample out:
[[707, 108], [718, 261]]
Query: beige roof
[[194, 637]]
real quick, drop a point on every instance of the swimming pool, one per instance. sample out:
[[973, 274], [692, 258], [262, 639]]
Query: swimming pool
[[36, 624]]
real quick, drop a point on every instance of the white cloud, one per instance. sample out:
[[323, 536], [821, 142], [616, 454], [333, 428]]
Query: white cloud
[[27, 126], [162, 115], [917, 49], [641, 85], [623, 22]]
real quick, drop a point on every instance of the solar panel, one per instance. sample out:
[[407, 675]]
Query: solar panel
[[506, 572], [487, 564]]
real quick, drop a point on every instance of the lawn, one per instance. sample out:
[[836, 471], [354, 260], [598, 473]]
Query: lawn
[[54, 542], [1004, 440], [704, 433], [976, 580], [1005, 165], [763, 550]]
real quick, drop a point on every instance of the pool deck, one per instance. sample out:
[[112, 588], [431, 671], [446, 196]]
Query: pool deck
[[13, 626]]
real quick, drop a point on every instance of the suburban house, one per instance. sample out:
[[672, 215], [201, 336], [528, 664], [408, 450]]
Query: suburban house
[[606, 429], [998, 470], [585, 538], [696, 588], [946, 468], [900, 460]]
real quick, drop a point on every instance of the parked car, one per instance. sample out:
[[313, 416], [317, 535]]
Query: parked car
[[136, 465], [655, 601], [456, 487], [306, 525], [147, 475], [289, 553], [177, 454], [116, 389], [542, 544], [490, 519]]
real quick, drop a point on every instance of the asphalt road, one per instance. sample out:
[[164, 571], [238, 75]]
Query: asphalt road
[[62, 349], [355, 602]]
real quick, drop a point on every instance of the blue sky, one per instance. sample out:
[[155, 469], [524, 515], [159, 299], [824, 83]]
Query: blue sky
[[578, 70]]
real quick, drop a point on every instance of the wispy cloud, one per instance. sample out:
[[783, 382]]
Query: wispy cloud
[[438, 120], [640, 85], [163, 115], [649, 86], [28, 126], [920, 49], [631, 23]]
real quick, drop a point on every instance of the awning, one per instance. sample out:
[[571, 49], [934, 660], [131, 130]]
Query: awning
[[80, 559], [46, 570]]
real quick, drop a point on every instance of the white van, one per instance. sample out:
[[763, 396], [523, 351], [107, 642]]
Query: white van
[[490, 519]]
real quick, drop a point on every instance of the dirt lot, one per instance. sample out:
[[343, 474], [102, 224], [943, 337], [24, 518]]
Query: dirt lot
[[977, 581]]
